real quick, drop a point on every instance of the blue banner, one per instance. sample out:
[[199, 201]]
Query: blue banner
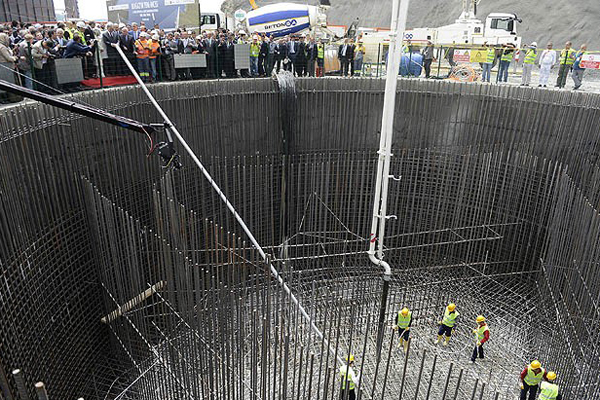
[[168, 14]]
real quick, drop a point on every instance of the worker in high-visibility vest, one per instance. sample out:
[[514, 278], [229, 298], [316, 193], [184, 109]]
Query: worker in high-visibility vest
[[254, 53], [154, 52], [403, 324], [566, 61], [348, 379], [482, 335], [486, 74], [447, 324], [320, 58], [531, 377], [548, 389], [142, 53], [528, 63], [508, 51]]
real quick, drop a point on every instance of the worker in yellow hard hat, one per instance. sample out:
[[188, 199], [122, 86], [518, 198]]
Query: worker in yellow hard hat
[[531, 377], [403, 323], [349, 380], [482, 335], [548, 389], [448, 324]]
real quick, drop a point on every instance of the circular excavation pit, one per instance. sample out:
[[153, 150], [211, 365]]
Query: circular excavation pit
[[122, 280]]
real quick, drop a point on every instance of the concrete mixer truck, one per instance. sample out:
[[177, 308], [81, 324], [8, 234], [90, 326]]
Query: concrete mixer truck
[[275, 19], [286, 18]]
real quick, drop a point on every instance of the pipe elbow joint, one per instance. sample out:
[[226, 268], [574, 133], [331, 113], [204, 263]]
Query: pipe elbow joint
[[387, 270]]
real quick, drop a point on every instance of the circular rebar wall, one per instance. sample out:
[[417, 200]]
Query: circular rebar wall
[[495, 208]]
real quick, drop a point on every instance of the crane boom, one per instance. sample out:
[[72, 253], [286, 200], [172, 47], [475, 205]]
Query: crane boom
[[77, 108]]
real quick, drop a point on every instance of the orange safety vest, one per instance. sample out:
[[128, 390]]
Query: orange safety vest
[[154, 46], [142, 48]]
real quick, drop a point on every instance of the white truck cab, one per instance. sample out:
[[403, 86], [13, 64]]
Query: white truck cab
[[499, 28], [213, 21]]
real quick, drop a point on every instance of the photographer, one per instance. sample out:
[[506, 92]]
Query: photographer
[[40, 54]]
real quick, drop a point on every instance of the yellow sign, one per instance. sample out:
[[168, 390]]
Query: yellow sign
[[478, 56]]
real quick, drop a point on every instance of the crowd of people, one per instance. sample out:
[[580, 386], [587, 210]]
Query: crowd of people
[[31, 50], [568, 60]]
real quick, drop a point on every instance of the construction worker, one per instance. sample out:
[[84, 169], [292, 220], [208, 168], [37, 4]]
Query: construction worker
[[403, 323], [508, 52], [254, 53], [482, 335], [565, 62], [528, 63], [154, 52], [549, 389], [531, 377], [320, 59], [489, 63], [142, 53], [349, 380], [447, 324]]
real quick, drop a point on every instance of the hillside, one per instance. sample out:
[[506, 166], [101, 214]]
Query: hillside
[[543, 20]]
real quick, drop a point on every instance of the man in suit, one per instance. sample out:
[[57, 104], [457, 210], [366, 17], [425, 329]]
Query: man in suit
[[111, 63], [262, 56], [346, 56], [281, 54], [311, 56], [292, 54], [127, 44], [210, 46], [273, 48], [135, 32], [187, 45], [170, 47], [301, 57]]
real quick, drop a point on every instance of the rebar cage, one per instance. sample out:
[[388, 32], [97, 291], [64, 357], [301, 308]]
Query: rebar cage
[[493, 204]]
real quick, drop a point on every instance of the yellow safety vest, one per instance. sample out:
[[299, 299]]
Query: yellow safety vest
[[530, 57], [320, 51], [549, 391], [491, 56], [403, 321], [449, 318], [481, 332], [567, 57], [507, 57], [532, 379], [345, 376]]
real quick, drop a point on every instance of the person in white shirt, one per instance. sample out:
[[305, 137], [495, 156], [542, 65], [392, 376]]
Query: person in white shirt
[[547, 62]]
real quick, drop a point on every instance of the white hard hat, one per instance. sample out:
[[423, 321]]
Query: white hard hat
[[534, 44], [81, 24], [155, 37], [199, 37], [109, 24], [144, 34], [121, 25], [242, 32], [37, 26]]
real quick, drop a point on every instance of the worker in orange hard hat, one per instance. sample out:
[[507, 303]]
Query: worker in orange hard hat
[[447, 324], [482, 335], [403, 323], [531, 377]]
